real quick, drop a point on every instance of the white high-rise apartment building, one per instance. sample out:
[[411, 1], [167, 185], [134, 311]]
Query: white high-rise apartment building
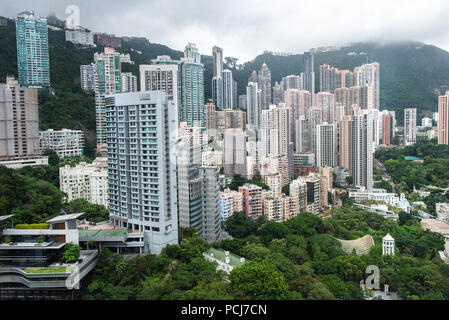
[[224, 91], [302, 135], [226, 205], [410, 126], [88, 181], [326, 102], [264, 78], [326, 145], [65, 142], [369, 75], [362, 148], [142, 130], [292, 82], [314, 117], [274, 182], [275, 131], [299, 102], [230, 201], [128, 82], [162, 75], [198, 189], [228, 94], [87, 76], [80, 36], [253, 105], [306, 189], [217, 54], [211, 204], [273, 209], [235, 152]]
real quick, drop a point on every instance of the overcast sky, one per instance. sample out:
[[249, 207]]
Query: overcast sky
[[245, 28]]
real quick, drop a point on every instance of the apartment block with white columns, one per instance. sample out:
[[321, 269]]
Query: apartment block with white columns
[[65, 142], [86, 180]]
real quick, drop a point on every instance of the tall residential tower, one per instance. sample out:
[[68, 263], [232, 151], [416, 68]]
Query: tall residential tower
[[32, 50]]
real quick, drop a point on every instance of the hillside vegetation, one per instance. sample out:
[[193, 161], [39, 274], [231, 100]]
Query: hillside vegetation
[[299, 259]]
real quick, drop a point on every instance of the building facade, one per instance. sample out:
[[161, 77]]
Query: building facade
[[128, 82], [33, 62], [19, 126], [410, 125], [142, 132], [235, 152], [252, 200], [107, 81], [87, 181], [87, 77], [443, 119], [65, 142], [80, 36]]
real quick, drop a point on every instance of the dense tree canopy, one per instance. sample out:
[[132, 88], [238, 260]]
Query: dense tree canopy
[[30, 199], [297, 259], [408, 174]]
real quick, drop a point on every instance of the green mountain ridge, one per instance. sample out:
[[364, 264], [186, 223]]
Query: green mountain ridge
[[412, 73]]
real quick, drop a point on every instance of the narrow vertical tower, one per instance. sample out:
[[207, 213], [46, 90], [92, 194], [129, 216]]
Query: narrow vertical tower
[[32, 50], [142, 132], [388, 245]]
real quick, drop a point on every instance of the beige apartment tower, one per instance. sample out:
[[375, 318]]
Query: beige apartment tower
[[19, 121]]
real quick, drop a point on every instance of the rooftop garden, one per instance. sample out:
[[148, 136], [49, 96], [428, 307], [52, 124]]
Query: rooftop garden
[[33, 226], [67, 269]]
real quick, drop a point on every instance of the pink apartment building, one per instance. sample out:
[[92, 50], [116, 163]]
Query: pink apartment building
[[252, 200]]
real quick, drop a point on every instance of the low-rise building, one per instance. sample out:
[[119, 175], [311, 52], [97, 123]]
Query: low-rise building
[[308, 191], [230, 201], [298, 189], [226, 205], [86, 180], [80, 36], [361, 194], [381, 209], [226, 261], [31, 264], [291, 207], [273, 209], [65, 142]]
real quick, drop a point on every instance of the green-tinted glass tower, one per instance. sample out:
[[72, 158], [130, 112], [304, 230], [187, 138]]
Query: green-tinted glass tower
[[192, 88], [107, 81], [32, 50]]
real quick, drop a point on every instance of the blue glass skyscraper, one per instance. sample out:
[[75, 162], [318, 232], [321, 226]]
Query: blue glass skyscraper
[[32, 50]]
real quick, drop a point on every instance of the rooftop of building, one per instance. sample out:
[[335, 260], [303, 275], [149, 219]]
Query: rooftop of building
[[6, 217], [250, 186], [65, 217], [220, 254], [388, 237]]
